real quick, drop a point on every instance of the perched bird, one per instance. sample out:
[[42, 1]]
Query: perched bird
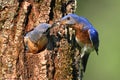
[[86, 35], [37, 39]]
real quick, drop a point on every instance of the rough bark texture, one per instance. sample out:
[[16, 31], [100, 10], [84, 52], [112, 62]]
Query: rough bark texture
[[17, 17]]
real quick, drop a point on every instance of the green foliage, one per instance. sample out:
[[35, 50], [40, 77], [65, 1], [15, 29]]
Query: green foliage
[[105, 16]]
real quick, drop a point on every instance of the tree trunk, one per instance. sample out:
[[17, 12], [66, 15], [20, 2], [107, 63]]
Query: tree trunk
[[17, 17]]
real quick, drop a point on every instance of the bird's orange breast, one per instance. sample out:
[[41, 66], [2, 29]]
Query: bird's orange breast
[[82, 35], [38, 46]]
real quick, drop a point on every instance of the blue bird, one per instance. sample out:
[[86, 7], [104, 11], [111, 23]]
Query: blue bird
[[37, 39], [86, 35]]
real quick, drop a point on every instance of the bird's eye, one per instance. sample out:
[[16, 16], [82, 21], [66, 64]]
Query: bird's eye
[[68, 18]]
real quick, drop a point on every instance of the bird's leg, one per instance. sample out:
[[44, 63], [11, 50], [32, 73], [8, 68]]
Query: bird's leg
[[82, 54], [80, 68], [78, 61], [83, 51], [78, 65]]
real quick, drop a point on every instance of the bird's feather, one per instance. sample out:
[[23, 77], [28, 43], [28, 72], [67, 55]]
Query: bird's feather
[[84, 60], [79, 19], [38, 31], [93, 34]]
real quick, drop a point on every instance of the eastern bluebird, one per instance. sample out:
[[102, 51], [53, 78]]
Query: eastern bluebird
[[86, 35], [36, 40]]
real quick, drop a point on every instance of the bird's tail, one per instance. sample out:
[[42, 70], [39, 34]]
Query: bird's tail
[[84, 60]]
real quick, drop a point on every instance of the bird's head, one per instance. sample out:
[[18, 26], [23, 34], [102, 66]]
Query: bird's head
[[72, 19], [69, 19]]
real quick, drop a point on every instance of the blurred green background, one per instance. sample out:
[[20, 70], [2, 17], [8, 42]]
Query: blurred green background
[[105, 16]]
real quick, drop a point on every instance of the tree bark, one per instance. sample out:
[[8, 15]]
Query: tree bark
[[17, 17]]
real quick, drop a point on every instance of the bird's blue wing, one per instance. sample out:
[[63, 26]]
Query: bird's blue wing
[[94, 37]]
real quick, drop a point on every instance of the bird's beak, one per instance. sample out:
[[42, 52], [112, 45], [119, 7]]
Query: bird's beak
[[63, 22]]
